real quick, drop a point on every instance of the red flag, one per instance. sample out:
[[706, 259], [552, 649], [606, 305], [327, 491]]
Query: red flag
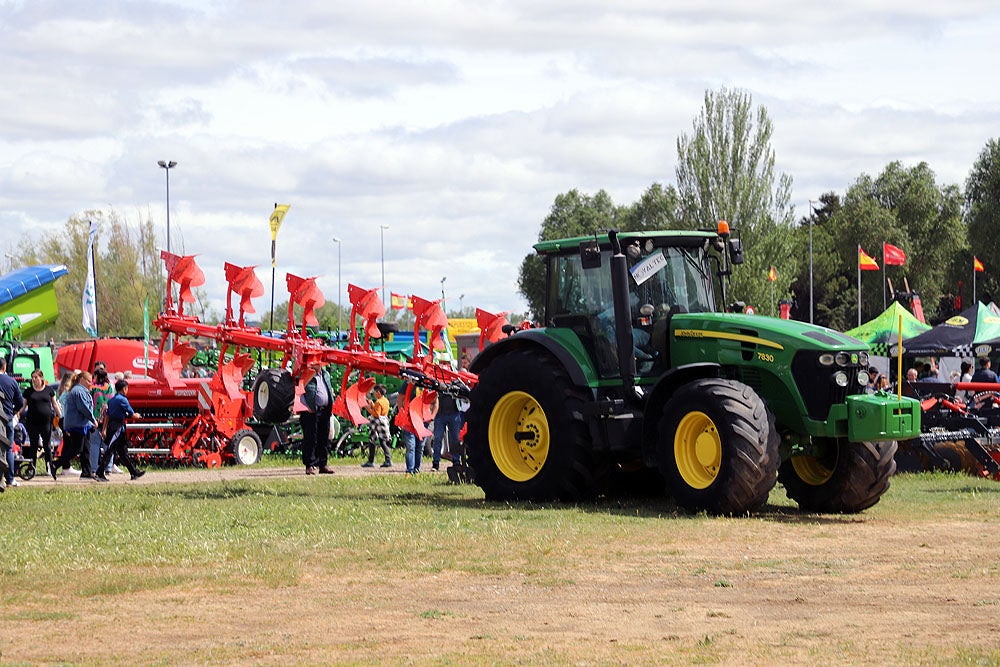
[[977, 265], [865, 262], [772, 275], [893, 256]]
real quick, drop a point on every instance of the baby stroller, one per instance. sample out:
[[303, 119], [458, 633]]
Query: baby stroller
[[25, 455]]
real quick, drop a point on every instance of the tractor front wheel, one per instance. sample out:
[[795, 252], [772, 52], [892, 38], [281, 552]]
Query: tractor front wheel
[[246, 447], [273, 393], [525, 439], [716, 448], [840, 477]]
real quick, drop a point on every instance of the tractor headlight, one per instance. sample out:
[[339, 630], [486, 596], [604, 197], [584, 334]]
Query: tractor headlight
[[840, 379], [863, 358], [826, 359], [842, 358], [863, 378]]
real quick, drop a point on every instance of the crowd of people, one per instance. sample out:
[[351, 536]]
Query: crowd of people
[[82, 418]]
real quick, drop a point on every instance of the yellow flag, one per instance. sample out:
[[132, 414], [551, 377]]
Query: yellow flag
[[277, 215]]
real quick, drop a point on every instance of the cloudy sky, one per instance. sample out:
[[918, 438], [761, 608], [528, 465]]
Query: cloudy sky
[[455, 124]]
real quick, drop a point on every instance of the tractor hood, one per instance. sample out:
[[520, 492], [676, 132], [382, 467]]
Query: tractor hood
[[757, 332]]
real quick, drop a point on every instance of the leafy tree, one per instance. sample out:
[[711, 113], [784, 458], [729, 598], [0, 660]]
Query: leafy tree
[[725, 171], [982, 212], [127, 267]]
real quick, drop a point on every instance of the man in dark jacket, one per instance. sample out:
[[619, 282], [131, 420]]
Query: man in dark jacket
[[317, 399], [11, 401]]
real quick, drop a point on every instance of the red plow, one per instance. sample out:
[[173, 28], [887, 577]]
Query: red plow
[[204, 421]]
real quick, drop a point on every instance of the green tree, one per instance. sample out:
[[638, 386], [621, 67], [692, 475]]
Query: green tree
[[982, 213], [725, 171], [127, 269]]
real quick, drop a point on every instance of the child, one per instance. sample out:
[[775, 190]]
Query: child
[[378, 423], [119, 410]]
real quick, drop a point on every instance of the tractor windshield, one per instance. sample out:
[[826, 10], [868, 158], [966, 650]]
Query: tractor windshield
[[665, 280]]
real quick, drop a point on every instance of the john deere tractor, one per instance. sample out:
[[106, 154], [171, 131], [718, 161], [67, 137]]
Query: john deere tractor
[[637, 377]]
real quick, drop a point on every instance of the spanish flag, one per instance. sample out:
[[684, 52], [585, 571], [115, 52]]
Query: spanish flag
[[865, 262], [977, 265], [400, 301]]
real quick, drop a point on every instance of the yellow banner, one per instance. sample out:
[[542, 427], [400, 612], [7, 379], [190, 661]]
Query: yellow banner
[[462, 325], [277, 215]]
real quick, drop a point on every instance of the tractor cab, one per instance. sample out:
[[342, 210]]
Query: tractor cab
[[666, 274]]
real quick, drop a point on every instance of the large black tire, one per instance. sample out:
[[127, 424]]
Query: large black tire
[[848, 478], [246, 447], [273, 393], [526, 439], [717, 449]]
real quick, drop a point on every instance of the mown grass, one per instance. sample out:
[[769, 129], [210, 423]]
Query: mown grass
[[228, 537]]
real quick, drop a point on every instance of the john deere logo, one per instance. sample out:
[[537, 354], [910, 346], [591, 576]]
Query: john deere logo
[[983, 350], [957, 321]]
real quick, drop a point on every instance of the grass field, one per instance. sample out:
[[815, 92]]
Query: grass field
[[401, 570]]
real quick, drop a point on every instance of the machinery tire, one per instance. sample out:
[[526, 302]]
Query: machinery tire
[[273, 393], [850, 478], [717, 449], [524, 441], [246, 447]]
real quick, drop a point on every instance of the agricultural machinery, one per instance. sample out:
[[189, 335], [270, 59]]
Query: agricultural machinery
[[636, 380], [208, 421], [959, 434]]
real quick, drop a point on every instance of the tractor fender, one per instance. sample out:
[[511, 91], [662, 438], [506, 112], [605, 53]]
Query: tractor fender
[[663, 391], [530, 338]]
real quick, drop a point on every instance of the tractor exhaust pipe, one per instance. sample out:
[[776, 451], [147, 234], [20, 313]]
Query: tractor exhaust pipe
[[623, 314]]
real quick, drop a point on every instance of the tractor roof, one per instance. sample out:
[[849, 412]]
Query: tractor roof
[[664, 237]]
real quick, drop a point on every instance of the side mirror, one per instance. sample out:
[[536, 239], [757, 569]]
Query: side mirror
[[590, 254], [735, 251]]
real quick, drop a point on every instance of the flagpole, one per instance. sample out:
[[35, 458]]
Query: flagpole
[[974, 281], [859, 284], [884, 304], [97, 313]]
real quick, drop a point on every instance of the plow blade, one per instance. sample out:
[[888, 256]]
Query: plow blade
[[416, 412], [348, 405], [173, 362], [232, 373]]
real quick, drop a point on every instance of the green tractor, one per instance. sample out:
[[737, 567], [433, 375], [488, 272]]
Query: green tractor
[[637, 380]]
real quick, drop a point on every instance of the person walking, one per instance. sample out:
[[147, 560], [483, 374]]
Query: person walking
[[11, 401], [448, 421], [101, 392], [119, 411], [62, 393], [317, 399], [378, 424], [78, 423], [40, 408]]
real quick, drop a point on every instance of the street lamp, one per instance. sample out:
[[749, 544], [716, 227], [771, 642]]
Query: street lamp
[[382, 229], [340, 292], [168, 166], [442, 291], [461, 304], [811, 306]]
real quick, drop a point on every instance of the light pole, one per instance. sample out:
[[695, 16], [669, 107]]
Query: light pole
[[168, 166], [340, 309], [811, 306], [382, 229], [461, 304]]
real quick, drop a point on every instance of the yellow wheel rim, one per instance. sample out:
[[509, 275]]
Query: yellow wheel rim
[[811, 470], [697, 450], [519, 436]]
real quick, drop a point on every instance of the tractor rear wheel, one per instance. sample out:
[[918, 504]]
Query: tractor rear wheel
[[847, 477], [524, 439], [246, 447], [273, 393], [717, 450]]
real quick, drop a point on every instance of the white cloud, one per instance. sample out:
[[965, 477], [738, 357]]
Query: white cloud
[[455, 123]]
